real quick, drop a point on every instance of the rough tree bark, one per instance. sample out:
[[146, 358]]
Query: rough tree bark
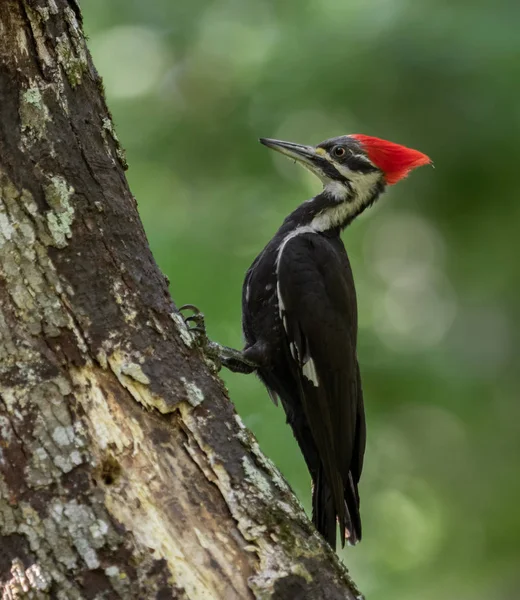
[[125, 472]]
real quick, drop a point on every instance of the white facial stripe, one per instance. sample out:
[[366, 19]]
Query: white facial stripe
[[359, 191], [348, 173], [332, 217], [338, 190], [362, 184]]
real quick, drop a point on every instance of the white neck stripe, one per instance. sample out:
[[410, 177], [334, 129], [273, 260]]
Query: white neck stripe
[[349, 197]]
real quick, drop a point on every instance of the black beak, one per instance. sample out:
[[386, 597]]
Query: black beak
[[303, 154]]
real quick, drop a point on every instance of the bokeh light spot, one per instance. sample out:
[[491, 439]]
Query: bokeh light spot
[[132, 60]]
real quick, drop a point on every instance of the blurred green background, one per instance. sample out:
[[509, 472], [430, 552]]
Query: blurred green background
[[192, 85]]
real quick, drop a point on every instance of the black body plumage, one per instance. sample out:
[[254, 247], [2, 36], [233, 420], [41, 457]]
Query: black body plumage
[[300, 314]]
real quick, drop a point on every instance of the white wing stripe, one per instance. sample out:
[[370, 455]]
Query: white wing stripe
[[309, 371], [297, 231], [309, 368]]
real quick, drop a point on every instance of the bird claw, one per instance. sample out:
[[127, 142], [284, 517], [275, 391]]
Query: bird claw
[[191, 307], [197, 318], [197, 327]]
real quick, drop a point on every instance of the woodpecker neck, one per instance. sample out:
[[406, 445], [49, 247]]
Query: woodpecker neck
[[337, 205]]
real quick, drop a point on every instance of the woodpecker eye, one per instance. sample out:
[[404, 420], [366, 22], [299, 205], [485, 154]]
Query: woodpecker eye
[[339, 151]]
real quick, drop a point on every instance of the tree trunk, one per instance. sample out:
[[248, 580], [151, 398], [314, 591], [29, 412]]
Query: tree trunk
[[125, 471]]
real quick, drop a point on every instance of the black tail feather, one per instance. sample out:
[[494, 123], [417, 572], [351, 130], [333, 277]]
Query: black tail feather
[[323, 509], [352, 503], [324, 513]]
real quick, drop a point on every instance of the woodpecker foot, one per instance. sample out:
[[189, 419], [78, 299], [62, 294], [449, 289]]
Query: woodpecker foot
[[234, 360], [197, 318], [197, 327]]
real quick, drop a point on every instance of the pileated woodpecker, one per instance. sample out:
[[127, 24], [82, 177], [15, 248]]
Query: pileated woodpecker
[[300, 319]]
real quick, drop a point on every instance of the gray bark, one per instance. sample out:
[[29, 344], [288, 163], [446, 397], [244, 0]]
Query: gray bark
[[124, 470]]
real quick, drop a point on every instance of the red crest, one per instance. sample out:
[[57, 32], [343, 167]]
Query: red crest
[[394, 160]]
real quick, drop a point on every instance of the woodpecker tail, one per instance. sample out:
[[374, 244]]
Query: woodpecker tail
[[324, 513], [323, 509]]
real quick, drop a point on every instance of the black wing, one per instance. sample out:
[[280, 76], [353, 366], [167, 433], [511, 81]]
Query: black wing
[[318, 308]]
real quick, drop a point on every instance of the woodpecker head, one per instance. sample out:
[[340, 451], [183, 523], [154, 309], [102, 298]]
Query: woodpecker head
[[353, 168]]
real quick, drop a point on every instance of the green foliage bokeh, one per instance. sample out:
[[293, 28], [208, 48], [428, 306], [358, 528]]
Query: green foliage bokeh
[[192, 85]]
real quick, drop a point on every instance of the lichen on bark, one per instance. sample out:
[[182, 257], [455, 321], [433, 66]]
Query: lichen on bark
[[34, 115]]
